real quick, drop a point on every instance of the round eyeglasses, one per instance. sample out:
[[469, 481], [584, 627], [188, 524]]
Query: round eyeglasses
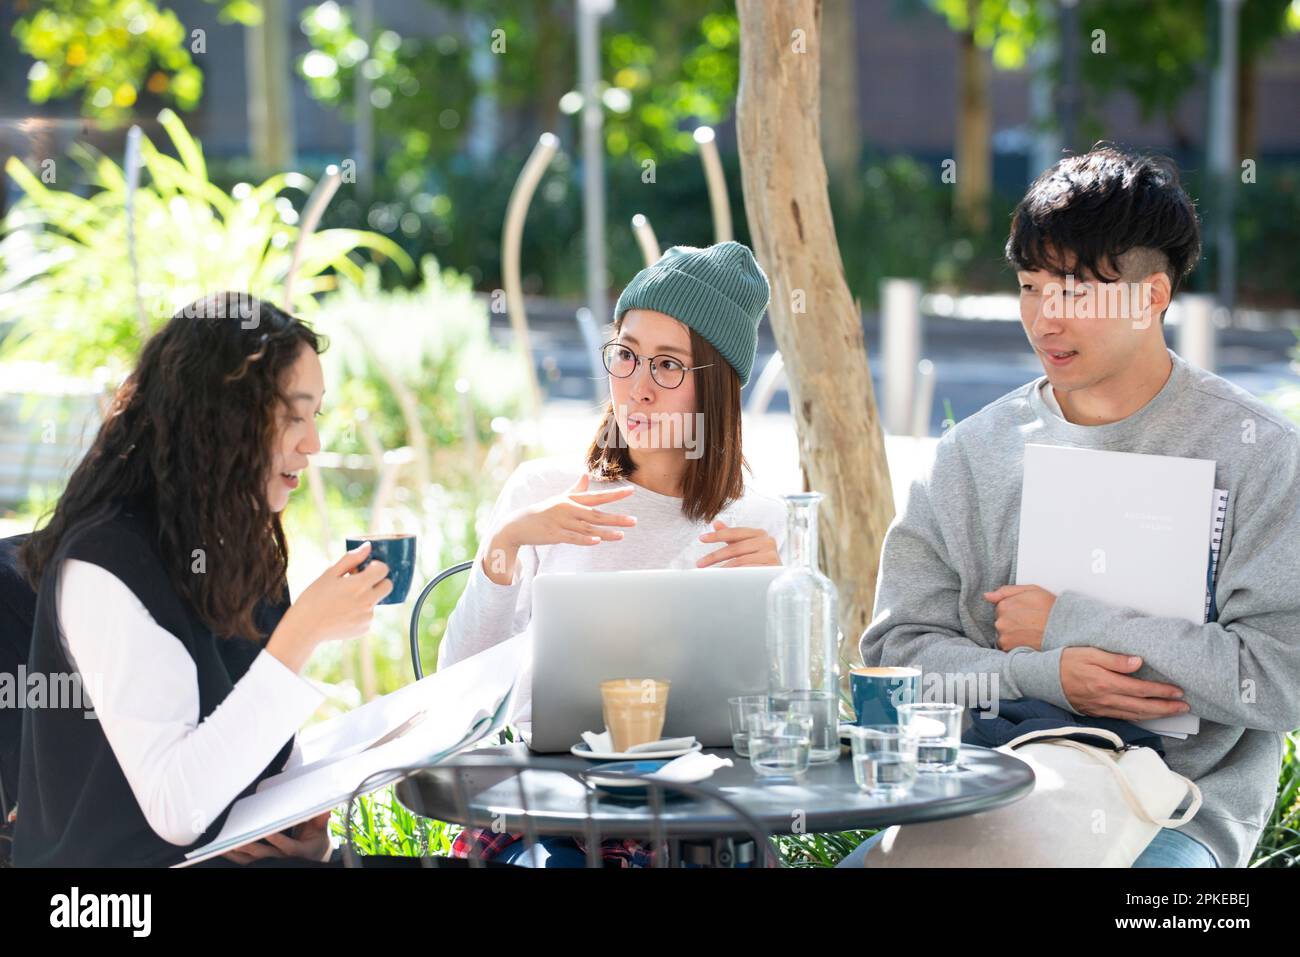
[[621, 362]]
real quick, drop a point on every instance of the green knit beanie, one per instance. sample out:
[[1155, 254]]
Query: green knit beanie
[[718, 291]]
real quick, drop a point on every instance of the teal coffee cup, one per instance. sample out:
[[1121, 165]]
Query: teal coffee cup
[[398, 553], [877, 692]]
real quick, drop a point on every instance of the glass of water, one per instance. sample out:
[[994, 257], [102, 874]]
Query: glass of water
[[779, 742], [937, 727], [823, 708], [884, 759], [741, 708]]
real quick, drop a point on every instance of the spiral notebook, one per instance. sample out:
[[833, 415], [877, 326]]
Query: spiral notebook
[[1133, 530]]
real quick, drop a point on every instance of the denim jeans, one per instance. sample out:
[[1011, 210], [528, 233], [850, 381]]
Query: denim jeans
[[1169, 848], [547, 852]]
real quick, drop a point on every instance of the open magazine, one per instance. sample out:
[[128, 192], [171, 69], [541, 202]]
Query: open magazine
[[423, 723]]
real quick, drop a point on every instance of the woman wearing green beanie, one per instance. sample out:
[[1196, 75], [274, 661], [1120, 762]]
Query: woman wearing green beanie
[[662, 486]]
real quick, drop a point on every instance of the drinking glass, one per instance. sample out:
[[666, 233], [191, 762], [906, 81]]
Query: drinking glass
[[741, 708], [937, 727], [884, 759], [823, 708], [779, 743]]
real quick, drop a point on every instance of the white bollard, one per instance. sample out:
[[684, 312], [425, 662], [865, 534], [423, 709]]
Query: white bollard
[[900, 348], [1193, 313], [924, 399], [591, 339]]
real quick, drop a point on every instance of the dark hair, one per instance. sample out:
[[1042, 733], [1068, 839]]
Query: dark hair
[[1088, 210], [190, 432], [714, 479]]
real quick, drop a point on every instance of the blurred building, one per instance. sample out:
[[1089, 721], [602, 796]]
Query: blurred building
[[906, 91]]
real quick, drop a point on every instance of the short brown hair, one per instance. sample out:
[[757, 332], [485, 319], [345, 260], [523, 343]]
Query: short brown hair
[[715, 479]]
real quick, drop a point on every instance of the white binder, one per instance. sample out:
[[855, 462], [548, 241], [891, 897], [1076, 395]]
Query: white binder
[[1129, 529]]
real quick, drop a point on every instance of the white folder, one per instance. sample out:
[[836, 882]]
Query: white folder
[[1129, 529]]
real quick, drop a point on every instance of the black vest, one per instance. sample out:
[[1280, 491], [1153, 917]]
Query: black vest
[[75, 807]]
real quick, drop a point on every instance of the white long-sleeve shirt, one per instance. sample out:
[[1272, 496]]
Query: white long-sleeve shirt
[[663, 537], [144, 688]]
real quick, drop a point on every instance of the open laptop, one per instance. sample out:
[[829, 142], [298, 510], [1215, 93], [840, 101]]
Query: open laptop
[[705, 630]]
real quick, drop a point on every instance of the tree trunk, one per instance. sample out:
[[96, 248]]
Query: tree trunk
[[270, 109], [817, 325], [841, 126], [1246, 109], [974, 129]]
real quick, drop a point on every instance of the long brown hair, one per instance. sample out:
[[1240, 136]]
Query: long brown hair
[[713, 480], [191, 432]]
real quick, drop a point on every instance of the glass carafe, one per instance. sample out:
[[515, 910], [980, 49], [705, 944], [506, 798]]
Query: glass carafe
[[802, 627]]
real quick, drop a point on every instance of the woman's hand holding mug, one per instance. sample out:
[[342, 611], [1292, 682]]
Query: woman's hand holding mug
[[339, 604]]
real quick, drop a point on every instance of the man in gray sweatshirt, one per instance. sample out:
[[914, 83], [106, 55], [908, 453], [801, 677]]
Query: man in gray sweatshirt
[[1100, 244]]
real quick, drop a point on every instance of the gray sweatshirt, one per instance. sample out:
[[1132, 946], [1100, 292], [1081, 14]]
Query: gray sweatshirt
[[1240, 674]]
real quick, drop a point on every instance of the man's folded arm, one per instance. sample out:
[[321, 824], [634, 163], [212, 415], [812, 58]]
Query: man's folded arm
[[916, 621], [1241, 670]]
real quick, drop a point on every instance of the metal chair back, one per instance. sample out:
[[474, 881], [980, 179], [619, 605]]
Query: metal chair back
[[465, 776], [419, 606]]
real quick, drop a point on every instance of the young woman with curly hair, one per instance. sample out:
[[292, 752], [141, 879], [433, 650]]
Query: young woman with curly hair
[[161, 588]]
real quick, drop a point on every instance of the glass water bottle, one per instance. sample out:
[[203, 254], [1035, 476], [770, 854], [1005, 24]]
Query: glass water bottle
[[802, 630]]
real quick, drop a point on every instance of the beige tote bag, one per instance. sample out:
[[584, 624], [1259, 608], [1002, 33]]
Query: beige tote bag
[[1090, 807]]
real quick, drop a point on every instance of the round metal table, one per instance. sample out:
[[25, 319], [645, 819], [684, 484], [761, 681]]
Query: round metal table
[[825, 798]]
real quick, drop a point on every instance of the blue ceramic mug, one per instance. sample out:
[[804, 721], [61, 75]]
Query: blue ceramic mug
[[397, 551], [877, 692]]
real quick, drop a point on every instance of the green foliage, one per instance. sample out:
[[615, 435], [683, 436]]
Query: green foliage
[[1280, 844], [67, 278], [662, 87], [382, 825], [403, 75], [905, 227], [668, 84], [434, 340], [108, 50], [432, 344], [1267, 218], [1008, 28], [114, 51], [1160, 55], [1157, 51], [817, 850]]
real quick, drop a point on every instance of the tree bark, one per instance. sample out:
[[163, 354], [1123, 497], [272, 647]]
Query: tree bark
[[974, 129], [817, 325], [270, 103], [1246, 109]]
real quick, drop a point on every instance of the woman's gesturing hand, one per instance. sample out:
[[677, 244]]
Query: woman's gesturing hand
[[745, 546], [339, 604], [570, 518]]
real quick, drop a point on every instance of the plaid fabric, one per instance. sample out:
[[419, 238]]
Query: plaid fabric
[[614, 852]]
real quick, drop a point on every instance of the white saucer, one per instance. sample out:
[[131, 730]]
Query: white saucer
[[581, 750]]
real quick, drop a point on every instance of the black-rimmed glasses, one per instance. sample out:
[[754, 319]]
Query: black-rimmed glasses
[[621, 362]]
